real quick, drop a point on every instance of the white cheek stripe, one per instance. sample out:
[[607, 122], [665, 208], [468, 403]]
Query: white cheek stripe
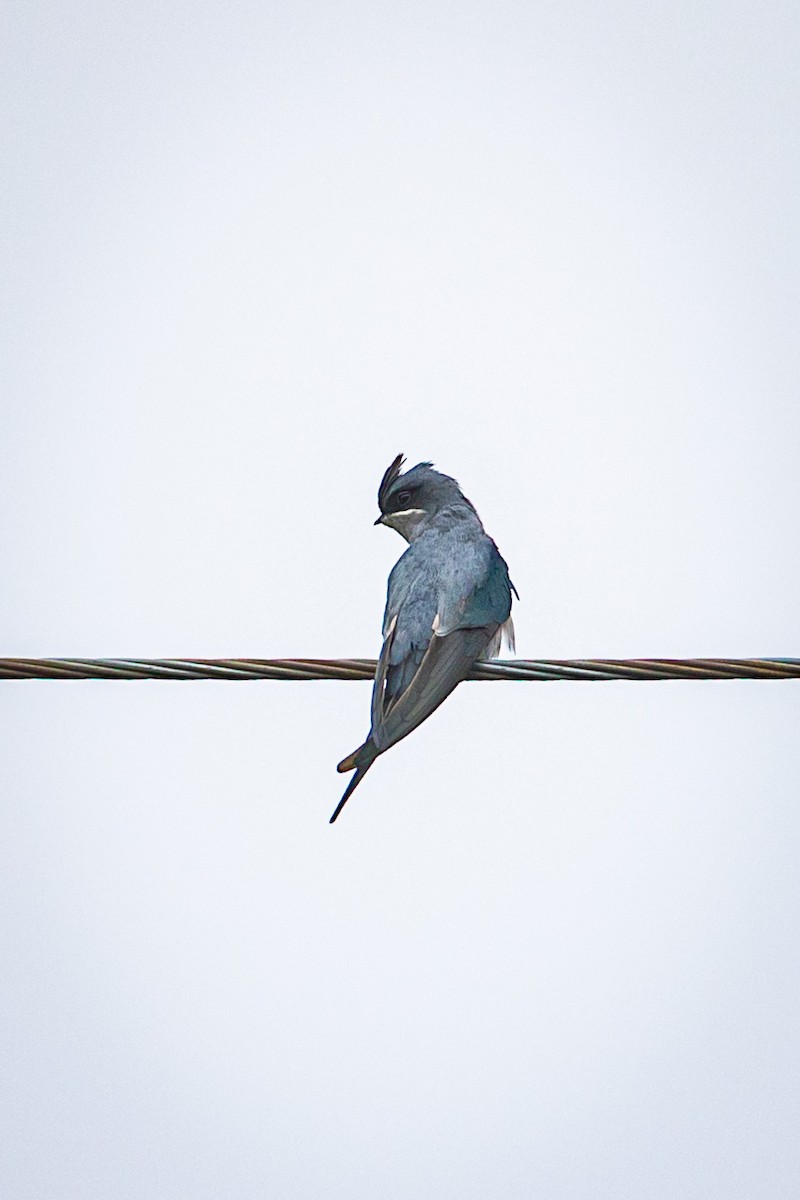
[[409, 512]]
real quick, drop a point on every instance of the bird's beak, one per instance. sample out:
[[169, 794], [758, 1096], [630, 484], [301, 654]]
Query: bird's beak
[[379, 520]]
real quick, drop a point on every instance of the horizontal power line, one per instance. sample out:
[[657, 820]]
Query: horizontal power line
[[364, 668]]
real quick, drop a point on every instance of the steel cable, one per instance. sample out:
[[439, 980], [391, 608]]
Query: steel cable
[[364, 668]]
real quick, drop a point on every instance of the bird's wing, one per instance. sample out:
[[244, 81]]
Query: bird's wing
[[411, 605], [444, 664], [379, 687], [479, 593], [431, 645]]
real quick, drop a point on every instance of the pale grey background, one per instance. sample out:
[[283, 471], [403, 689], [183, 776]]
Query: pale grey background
[[250, 253]]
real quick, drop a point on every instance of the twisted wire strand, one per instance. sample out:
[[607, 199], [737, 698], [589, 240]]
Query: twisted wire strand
[[585, 669]]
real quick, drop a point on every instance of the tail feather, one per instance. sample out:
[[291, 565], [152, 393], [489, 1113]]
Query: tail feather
[[361, 760]]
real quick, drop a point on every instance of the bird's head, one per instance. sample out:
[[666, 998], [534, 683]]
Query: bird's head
[[408, 501]]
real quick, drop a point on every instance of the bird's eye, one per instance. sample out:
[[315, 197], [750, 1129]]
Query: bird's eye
[[403, 498]]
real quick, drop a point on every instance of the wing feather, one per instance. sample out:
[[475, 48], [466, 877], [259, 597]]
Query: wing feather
[[379, 686], [446, 662], [432, 638]]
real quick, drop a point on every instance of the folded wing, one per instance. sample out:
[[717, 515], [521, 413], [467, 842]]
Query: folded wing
[[409, 688], [446, 662], [432, 639]]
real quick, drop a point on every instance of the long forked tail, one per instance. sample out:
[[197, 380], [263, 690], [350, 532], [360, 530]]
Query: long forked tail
[[361, 759]]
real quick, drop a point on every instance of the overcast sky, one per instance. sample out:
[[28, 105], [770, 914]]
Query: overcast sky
[[251, 252]]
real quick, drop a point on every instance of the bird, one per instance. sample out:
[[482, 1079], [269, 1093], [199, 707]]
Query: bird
[[448, 605]]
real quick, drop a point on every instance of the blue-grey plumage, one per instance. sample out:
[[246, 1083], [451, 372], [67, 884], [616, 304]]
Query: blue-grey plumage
[[448, 605]]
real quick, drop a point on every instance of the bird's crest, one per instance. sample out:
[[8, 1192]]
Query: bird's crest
[[390, 475]]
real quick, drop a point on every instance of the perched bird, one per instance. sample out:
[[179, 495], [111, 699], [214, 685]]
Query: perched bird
[[448, 605]]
